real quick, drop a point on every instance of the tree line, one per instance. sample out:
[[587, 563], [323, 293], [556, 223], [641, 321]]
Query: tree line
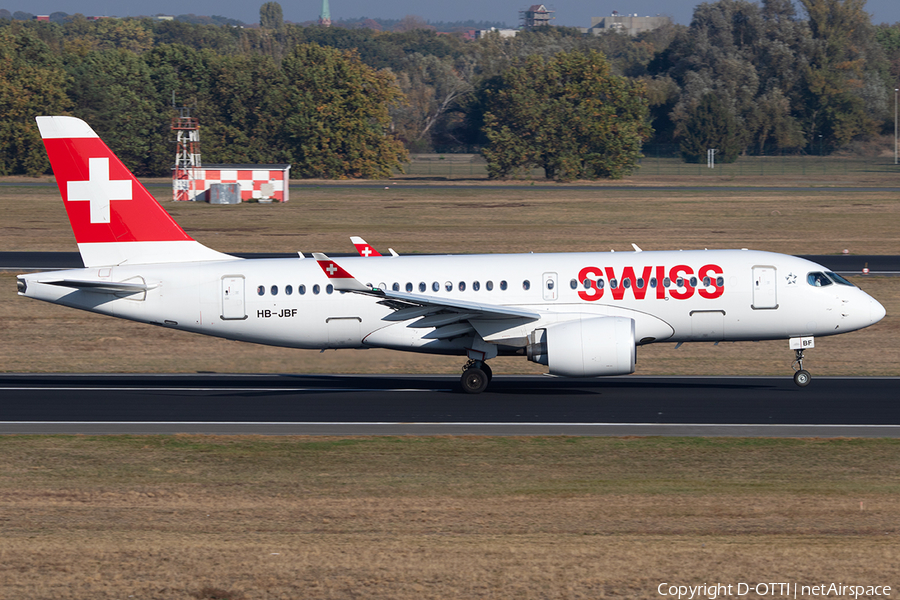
[[338, 102]]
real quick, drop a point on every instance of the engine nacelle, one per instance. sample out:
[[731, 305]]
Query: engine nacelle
[[587, 347]]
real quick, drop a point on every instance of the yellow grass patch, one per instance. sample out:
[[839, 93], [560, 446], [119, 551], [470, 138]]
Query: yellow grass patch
[[445, 517]]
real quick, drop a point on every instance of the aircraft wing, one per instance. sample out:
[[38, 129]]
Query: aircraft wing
[[450, 316]]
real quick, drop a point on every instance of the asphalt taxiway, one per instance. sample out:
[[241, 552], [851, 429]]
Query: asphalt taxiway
[[423, 405]]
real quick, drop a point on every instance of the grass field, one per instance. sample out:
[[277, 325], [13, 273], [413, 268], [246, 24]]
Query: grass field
[[443, 518]]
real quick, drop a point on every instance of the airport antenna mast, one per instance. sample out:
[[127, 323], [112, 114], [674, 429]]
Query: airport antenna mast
[[187, 155]]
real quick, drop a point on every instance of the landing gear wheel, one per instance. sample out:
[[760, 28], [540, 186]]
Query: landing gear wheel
[[802, 378], [474, 380]]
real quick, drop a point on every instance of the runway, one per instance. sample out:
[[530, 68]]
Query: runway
[[423, 405]]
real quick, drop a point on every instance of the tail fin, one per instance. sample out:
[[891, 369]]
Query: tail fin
[[115, 219]]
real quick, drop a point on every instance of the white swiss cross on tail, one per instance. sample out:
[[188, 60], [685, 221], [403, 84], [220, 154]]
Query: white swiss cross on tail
[[99, 190]]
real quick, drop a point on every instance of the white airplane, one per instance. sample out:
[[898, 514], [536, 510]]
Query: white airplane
[[581, 314]]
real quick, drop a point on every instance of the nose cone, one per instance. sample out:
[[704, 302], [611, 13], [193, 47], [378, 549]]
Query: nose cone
[[876, 311]]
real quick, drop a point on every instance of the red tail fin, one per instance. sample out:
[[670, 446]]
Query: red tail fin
[[114, 218]]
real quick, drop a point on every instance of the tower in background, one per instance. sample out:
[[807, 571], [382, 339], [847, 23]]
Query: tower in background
[[537, 15], [325, 17], [187, 156]]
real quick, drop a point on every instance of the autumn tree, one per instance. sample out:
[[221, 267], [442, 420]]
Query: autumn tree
[[566, 114], [271, 16], [32, 83], [709, 125], [113, 90], [843, 89], [336, 121]]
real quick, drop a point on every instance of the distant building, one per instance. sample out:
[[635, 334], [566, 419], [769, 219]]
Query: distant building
[[42, 18], [537, 15], [257, 182], [628, 24], [164, 18], [504, 33]]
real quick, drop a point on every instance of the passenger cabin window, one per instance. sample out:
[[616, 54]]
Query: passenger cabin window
[[476, 286], [261, 290], [462, 286], [274, 290], [489, 285], [653, 282], [316, 289], [436, 286], [301, 289], [448, 286], [573, 284], [409, 286], [288, 289], [526, 285], [503, 285], [817, 279], [396, 287], [422, 286]]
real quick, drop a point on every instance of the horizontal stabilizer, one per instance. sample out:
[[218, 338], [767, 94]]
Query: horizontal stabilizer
[[109, 287]]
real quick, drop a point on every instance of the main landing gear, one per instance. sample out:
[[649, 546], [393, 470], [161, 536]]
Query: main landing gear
[[801, 376], [476, 376]]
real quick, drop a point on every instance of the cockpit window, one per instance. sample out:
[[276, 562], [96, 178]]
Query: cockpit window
[[817, 279], [838, 279]]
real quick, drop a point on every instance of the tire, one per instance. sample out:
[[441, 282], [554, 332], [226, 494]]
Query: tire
[[474, 381], [487, 371], [802, 378]]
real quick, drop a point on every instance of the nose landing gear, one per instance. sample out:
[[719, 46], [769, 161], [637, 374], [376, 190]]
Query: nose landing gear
[[801, 376], [476, 376]]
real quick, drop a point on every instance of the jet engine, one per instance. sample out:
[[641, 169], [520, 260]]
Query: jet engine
[[587, 347]]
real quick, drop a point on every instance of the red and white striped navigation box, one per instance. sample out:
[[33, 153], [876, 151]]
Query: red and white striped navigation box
[[260, 182]]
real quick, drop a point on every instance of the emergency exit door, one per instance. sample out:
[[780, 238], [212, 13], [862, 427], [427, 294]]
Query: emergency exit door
[[233, 297]]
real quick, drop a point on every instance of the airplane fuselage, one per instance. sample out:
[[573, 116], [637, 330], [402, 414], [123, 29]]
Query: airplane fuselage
[[710, 295]]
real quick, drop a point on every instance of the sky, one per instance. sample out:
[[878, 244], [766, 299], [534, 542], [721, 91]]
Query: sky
[[573, 13]]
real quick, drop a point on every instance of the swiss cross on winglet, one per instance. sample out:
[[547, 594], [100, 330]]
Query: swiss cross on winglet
[[341, 279], [363, 247]]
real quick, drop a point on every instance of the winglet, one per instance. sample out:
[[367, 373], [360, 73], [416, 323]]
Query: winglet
[[363, 247], [338, 276]]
